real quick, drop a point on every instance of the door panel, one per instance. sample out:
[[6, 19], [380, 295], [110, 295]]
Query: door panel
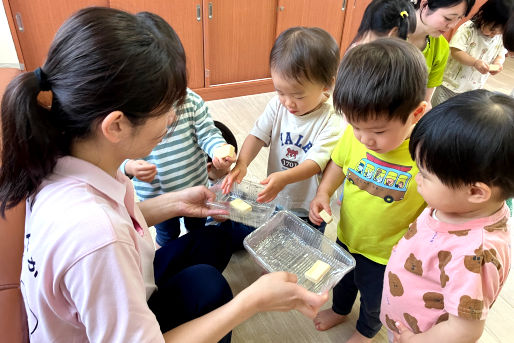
[[182, 16], [38, 21], [238, 39], [329, 16], [354, 13]]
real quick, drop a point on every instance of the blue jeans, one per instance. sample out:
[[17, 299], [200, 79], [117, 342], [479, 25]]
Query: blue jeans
[[368, 278], [188, 276]]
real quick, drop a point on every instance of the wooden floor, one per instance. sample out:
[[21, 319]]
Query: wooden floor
[[239, 114]]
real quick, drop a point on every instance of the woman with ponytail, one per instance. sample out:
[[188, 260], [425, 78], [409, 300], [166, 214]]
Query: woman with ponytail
[[434, 18], [89, 260], [386, 18]]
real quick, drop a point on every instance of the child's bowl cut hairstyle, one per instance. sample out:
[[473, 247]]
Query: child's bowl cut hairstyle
[[493, 12], [468, 138], [384, 78], [305, 53]]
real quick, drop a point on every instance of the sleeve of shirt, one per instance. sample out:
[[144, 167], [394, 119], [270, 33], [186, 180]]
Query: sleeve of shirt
[[264, 125], [340, 152], [472, 285], [107, 291], [441, 53], [462, 38], [209, 137], [326, 140]]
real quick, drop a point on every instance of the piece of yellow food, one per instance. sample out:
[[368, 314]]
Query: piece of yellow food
[[240, 205], [224, 151], [327, 218], [317, 271], [494, 67]]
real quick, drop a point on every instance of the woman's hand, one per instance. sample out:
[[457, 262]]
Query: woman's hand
[[279, 292], [192, 201], [404, 334]]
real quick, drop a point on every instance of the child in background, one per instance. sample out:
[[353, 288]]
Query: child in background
[[448, 269], [178, 162], [476, 49], [299, 124], [380, 88], [386, 18]]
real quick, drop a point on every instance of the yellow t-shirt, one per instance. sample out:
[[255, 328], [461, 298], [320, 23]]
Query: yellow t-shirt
[[380, 197]]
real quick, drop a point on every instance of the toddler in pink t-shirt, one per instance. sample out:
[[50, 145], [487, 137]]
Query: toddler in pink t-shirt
[[446, 272]]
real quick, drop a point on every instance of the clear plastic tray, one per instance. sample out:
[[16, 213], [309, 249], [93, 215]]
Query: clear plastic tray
[[246, 191], [285, 242]]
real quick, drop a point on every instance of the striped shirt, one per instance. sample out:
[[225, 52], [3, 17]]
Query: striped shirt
[[181, 156]]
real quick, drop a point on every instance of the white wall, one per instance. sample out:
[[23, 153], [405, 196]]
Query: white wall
[[8, 56]]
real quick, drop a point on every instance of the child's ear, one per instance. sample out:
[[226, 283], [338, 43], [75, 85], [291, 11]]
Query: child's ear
[[479, 192], [393, 32], [331, 86], [115, 126], [419, 111]]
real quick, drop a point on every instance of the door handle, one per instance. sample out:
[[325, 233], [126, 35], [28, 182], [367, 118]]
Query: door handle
[[344, 5], [198, 12], [210, 10], [19, 22]]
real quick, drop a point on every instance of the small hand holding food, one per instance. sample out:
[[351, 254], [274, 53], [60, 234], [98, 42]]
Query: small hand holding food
[[495, 68], [481, 66], [223, 157], [141, 169], [319, 203], [236, 174], [275, 182]]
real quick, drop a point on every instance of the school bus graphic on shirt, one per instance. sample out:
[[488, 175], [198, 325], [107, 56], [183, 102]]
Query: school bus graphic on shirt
[[380, 178]]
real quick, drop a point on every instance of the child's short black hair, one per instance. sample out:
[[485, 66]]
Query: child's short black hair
[[227, 135], [508, 33], [383, 78], [305, 53], [493, 12], [381, 16], [468, 138]]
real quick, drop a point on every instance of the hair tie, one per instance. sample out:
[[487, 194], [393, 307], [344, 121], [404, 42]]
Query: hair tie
[[44, 85], [404, 14]]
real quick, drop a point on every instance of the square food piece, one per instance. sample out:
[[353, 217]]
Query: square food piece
[[327, 218], [240, 205], [224, 151], [494, 67], [317, 271]]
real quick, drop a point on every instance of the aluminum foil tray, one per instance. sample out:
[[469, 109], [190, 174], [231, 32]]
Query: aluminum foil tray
[[287, 243]]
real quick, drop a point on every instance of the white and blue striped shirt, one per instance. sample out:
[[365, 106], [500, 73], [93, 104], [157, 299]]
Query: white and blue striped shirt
[[180, 157]]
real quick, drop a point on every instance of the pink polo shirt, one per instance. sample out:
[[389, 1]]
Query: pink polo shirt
[[87, 272]]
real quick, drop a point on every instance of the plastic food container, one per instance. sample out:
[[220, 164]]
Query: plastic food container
[[287, 243], [246, 191]]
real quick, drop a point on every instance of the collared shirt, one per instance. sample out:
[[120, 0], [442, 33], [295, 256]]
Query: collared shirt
[[87, 271]]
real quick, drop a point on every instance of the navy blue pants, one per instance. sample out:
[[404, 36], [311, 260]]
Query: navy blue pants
[[169, 229], [368, 278], [188, 277]]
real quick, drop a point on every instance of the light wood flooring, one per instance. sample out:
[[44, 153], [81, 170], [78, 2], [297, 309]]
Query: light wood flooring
[[239, 114]]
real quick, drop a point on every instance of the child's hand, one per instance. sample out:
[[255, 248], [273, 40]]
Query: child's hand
[[320, 202], [236, 174], [275, 183], [223, 163], [144, 171], [481, 66], [405, 334], [500, 68]]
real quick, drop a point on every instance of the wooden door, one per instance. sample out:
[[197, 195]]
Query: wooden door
[[354, 13], [185, 16], [329, 15], [37, 22], [238, 37]]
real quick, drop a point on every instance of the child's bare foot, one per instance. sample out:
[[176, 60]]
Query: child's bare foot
[[327, 319], [357, 337]]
